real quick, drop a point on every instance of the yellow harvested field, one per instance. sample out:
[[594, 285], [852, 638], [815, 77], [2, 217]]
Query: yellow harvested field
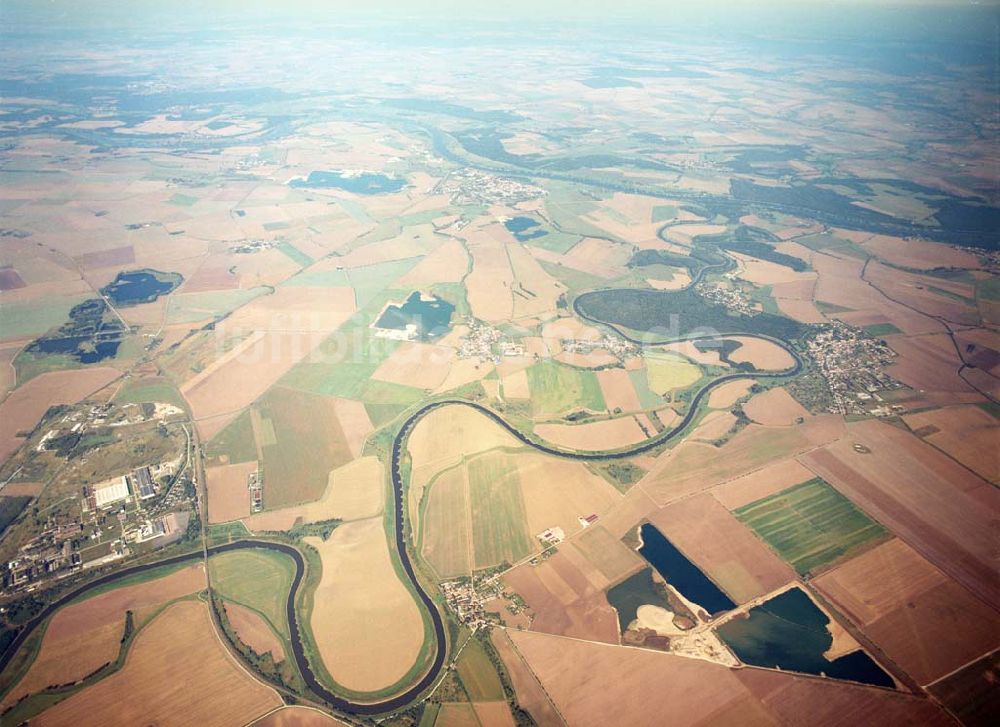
[[693, 467], [605, 434], [366, 625], [446, 435], [598, 257], [447, 264], [215, 691], [667, 372], [686, 233], [534, 291], [804, 311], [354, 492], [762, 354], [919, 253], [298, 717], [464, 371], [237, 379], [618, 391], [775, 408], [679, 279], [228, 495], [515, 385], [709, 357], [254, 631], [83, 636], [493, 714], [558, 491], [421, 365], [727, 394], [286, 327], [591, 360], [456, 714], [569, 329], [761, 272], [768, 480], [490, 283], [24, 408], [714, 426], [354, 422]]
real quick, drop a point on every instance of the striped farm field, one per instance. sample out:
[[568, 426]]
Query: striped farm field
[[557, 389], [810, 525], [499, 531]]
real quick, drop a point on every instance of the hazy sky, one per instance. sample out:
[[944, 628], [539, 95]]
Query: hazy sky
[[806, 18]]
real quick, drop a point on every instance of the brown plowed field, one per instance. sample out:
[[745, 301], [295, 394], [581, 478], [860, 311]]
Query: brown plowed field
[[722, 547], [597, 684], [213, 690], [564, 601], [768, 480], [938, 507], [254, 631], [530, 695], [83, 636], [775, 408], [298, 717], [796, 700], [967, 433], [693, 467], [228, 496], [926, 622], [23, 409]]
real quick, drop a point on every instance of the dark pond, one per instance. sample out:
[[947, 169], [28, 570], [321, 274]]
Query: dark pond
[[91, 334], [362, 183], [140, 286], [430, 316], [635, 591], [679, 572], [789, 632], [523, 228]]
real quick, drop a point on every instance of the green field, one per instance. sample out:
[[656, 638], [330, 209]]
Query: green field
[[308, 443], [667, 372], [34, 317], [499, 532], [664, 213], [648, 399], [384, 401], [182, 200], [150, 390], [191, 307], [319, 279], [810, 525], [295, 255], [559, 389], [256, 579], [881, 329], [235, 441], [478, 674]]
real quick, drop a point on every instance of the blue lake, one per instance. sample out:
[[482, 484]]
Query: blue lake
[[681, 573], [363, 183], [140, 286], [790, 632], [524, 228], [431, 316]]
